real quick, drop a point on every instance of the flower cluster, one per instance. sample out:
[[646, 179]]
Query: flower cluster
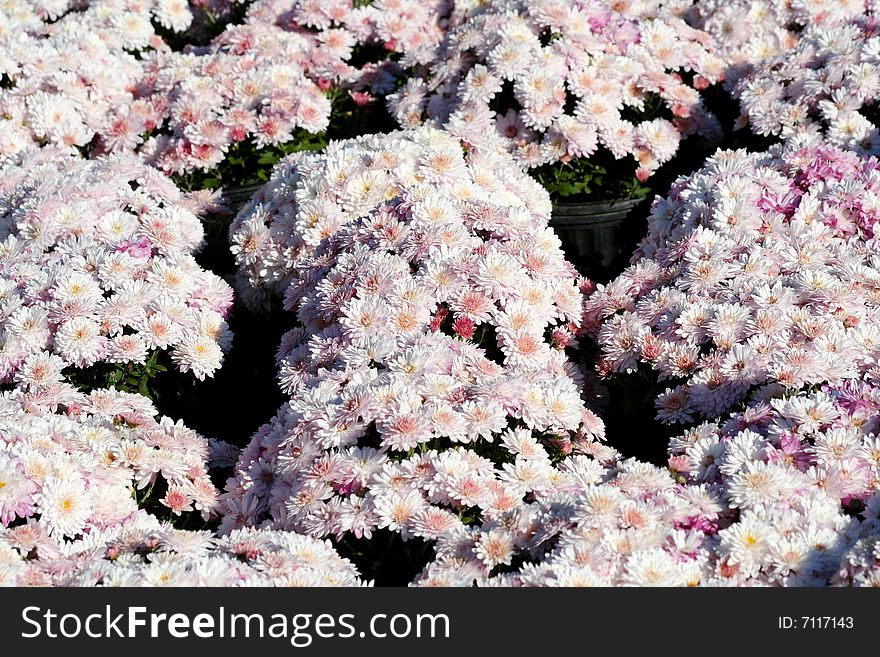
[[73, 75], [410, 29], [860, 564], [147, 553], [750, 33], [428, 377], [119, 15], [626, 524], [747, 32], [98, 465], [100, 78], [757, 270], [432, 390], [96, 264], [770, 496], [249, 83], [640, 528], [277, 230], [551, 80], [827, 434], [798, 468], [276, 74], [820, 85]]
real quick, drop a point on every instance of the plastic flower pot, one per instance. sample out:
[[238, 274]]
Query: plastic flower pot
[[591, 233], [236, 197]]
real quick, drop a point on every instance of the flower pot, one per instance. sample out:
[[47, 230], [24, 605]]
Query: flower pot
[[591, 233], [236, 197]]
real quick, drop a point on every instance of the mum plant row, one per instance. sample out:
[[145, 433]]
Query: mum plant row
[[445, 367]]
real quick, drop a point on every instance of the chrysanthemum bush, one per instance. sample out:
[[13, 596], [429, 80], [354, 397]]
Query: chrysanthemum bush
[[749, 33], [310, 196], [409, 29], [100, 78], [570, 88], [783, 493], [148, 553], [93, 486], [828, 83], [635, 525], [801, 470], [428, 377], [381, 433], [96, 461], [760, 269], [279, 82], [71, 69], [617, 523], [250, 84], [97, 267]]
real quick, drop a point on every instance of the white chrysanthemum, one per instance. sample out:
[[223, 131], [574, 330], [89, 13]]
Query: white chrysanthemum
[[79, 341], [652, 568], [199, 354], [64, 506]]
